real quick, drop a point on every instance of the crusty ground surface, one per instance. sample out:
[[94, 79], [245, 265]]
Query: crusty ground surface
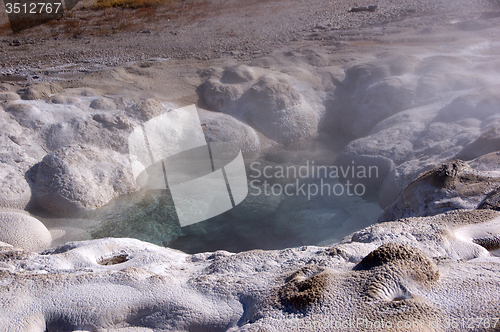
[[204, 30]]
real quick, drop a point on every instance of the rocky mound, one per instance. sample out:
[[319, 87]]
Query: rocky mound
[[414, 271], [426, 114], [80, 178], [426, 117], [266, 100], [454, 185], [22, 231]]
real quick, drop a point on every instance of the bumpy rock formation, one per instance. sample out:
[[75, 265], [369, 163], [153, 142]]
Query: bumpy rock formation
[[81, 178], [434, 125], [266, 100], [17, 154], [22, 231], [104, 104], [415, 271], [8, 96], [403, 262], [374, 91], [14, 189], [146, 109], [392, 253], [407, 115], [454, 185], [219, 127], [29, 116], [39, 91], [303, 288]]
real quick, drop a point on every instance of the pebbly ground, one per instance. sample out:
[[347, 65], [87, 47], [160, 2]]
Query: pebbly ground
[[86, 39], [410, 95]]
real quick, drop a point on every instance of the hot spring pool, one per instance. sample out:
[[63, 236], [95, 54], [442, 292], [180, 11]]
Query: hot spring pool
[[294, 199]]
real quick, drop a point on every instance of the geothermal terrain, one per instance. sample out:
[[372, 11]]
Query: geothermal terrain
[[410, 91]]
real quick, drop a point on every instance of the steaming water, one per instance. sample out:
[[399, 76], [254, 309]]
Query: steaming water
[[267, 219], [272, 219], [277, 220]]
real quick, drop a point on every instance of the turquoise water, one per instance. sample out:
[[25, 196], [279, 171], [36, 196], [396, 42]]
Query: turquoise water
[[266, 219]]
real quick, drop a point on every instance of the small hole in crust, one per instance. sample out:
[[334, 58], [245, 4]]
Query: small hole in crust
[[114, 260]]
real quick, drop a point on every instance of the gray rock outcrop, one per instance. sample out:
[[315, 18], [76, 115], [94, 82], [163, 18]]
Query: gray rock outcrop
[[265, 100], [22, 231], [80, 178], [418, 270]]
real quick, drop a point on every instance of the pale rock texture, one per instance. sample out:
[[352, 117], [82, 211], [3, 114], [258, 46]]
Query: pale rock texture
[[8, 96], [375, 91], [14, 189], [269, 101], [22, 231], [104, 104], [406, 114], [219, 127], [29, 116], [80, 178], [17, 154], [462, 124], [419, 270], [454, 185], [146, 109]]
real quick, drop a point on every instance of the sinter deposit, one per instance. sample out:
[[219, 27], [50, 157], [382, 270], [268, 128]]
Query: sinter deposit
[[408, 110]]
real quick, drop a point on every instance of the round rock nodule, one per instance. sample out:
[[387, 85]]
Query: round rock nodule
[[23, 231], [81, 178]]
